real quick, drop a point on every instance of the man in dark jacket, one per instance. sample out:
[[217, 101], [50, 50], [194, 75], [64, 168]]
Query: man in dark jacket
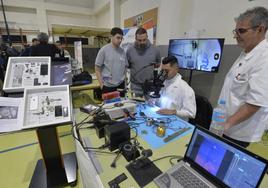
[[27, 50], [43, 48]]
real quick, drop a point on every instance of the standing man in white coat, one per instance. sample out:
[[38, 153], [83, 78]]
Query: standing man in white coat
[[245, 88], [177, 97]]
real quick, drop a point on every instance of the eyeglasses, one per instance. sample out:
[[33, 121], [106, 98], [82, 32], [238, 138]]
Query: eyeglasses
[[240, 31]]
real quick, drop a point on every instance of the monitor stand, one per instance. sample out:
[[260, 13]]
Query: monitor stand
[[54, 169], [190, 77]]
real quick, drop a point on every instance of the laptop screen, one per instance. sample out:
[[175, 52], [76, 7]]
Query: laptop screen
[[230, 164]]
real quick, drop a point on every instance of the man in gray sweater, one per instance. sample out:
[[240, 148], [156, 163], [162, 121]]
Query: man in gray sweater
[[142, 58], [111, 64]]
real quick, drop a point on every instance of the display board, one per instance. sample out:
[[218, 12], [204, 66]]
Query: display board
[[147, 20], [46, 106], [78, 54], [27, 72]]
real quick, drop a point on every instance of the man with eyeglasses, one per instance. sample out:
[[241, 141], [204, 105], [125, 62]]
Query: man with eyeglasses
[[245, 88], [111, 64], [142, 58]]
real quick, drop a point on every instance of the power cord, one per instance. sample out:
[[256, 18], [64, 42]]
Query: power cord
[[113, 164], [101, 147], [168, 156], [132, 77]]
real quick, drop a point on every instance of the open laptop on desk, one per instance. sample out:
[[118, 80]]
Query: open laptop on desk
[[211, 161]]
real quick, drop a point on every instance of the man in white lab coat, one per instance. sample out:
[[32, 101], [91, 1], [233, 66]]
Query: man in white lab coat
[[177, 97], [245, 88]]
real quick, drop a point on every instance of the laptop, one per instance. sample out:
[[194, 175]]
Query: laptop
[[212, 161]]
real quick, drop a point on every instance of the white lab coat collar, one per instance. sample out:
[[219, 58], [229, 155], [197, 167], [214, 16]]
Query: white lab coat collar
[[173, 79], [255, 50]]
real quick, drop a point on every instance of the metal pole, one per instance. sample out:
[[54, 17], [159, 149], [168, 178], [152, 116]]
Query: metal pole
[[7, 29]]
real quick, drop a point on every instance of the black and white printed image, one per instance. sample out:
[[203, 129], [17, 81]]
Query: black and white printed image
[[8, 112]]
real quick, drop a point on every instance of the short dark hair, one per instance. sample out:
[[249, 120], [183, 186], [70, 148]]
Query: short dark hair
[[42, 37], [172, 60], [34, 39], [140, 31], [116, 30]]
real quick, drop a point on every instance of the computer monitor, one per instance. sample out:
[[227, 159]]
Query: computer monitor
[[225, 162], [61, 72], [202, 54]]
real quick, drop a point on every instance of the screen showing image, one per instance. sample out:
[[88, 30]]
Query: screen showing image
[[210, 156], [230, 165], [61, 72], [197, 54]]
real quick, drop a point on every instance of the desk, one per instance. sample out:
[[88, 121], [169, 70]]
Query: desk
[[176, 147], [83, 94], [94, 85]]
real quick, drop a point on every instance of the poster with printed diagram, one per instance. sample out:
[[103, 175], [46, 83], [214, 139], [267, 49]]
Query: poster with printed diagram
[[27, 72], [11, 110], [46, 106]]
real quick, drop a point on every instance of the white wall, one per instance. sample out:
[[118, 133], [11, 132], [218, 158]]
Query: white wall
[[41, 14], [133, 7], [176, 18], [103, 18], [18, 20], [219, 19], [196, 18], [67, 19], [98, 4], [79, 3]]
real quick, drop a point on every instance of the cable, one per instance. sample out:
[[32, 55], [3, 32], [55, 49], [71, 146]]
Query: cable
[[113, 164], [99, 151], [132, 77], [167, 156], [136, 132], [179, 158], [77, 126], [101, 147]]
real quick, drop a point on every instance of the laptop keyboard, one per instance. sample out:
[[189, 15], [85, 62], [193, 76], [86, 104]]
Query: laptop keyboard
[[187, 179]]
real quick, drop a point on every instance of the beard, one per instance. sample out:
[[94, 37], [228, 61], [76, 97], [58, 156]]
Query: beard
[[140, 46]]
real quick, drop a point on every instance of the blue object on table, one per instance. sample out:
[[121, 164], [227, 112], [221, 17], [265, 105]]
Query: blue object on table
[[172, 122], [112, 100]]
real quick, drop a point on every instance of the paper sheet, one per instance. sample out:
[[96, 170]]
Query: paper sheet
[[11, 114], [89, 175]]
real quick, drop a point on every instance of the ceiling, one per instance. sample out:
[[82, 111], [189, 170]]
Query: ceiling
[[80, 31]]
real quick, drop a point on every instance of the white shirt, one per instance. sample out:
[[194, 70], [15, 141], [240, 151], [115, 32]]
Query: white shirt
[[178, 95], [247, 82]]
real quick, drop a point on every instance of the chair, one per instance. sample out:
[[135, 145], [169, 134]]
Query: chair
[[204, 112]]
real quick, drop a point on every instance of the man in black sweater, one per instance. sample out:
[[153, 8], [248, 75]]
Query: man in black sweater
[[43, 48]]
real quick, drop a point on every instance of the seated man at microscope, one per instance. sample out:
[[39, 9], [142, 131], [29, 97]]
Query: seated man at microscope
[[177, 97]]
